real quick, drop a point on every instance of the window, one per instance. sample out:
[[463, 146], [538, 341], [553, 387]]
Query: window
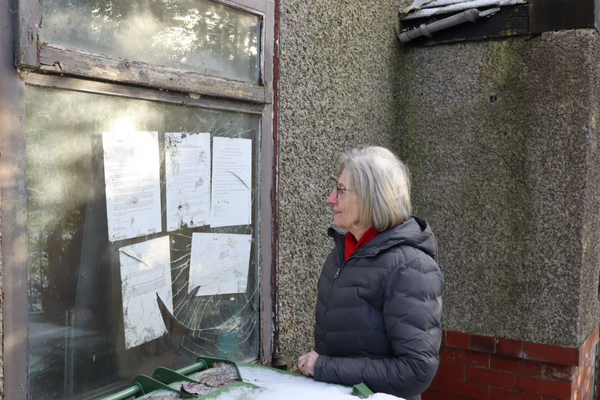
[[143, 169]]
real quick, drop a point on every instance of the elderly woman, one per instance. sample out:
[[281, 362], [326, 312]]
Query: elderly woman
[[379, 301]]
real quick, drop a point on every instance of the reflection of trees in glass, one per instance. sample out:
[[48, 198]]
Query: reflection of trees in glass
[[192, 34], [56, 174]]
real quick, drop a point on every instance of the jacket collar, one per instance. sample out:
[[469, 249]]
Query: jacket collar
[[413, 232]]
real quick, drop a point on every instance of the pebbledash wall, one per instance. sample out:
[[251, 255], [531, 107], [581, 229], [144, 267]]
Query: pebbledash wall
[[337, 61], [502, 140]]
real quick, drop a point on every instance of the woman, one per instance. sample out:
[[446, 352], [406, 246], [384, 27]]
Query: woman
[[379, 301]]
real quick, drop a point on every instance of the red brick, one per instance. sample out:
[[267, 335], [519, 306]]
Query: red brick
[[484, 344], [493, 378], [523, 367], [430, 395], [503, 394], [545, 387], [551, 354], [560, 372], [465, 357], [450, 370], [458, 340], [471, 390], [435, 384], [508, 347]]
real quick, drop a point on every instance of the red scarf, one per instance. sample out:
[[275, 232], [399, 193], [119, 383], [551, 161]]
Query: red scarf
[[352, 245]]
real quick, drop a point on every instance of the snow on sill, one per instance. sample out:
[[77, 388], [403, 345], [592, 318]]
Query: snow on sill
[[436, 7]]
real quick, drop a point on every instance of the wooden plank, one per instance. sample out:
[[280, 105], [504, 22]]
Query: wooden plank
[[13, 211], [257, 7], [62, 60], [554, 15], [267, 55], [427, 12], [267, 192], [29, 17], [134, 92], [509, 21], [597, 13], [266, 261]]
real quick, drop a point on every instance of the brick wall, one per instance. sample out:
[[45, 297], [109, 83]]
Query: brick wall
[[487, 368]]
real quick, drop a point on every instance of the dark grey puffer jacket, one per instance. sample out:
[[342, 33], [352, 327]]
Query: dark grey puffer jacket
[[378, 313]]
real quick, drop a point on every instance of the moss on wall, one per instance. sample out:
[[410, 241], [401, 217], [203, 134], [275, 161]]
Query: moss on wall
[[499, 140]]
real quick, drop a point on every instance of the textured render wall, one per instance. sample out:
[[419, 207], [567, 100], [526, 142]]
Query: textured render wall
[[502, 141], [337, 62]]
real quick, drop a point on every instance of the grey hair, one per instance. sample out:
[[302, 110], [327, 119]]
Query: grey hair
[[382, 183]]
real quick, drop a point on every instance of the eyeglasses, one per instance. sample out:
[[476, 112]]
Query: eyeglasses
[[339, 190]]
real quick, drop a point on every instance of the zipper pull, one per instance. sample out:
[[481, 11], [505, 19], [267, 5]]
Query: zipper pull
[[337, 273]]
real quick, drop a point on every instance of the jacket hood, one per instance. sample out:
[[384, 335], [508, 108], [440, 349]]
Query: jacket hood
[[413, 232]]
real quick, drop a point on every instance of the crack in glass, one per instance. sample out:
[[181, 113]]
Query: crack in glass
[[75, 300]]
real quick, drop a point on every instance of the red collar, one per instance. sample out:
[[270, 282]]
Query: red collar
[[352, 245]]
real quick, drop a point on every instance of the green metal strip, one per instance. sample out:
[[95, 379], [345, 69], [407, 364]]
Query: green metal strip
[[125, 394], [199, 366], [361, 390], [168, 376]]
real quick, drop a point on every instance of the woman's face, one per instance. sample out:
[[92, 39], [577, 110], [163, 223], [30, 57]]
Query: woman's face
[[346, 206]]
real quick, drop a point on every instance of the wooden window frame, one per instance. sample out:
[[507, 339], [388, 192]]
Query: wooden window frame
[[32, 54], [46, 65]]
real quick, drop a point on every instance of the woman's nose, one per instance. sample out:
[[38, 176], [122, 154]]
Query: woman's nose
[[332, 199]]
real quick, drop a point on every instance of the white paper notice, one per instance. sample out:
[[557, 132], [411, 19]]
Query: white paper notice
[[187, 158], [219, 263], [131, 175], [145, 272], [231, 202]]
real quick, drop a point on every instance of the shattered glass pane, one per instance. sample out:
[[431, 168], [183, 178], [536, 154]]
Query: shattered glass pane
[[76, 322], [197, 35]]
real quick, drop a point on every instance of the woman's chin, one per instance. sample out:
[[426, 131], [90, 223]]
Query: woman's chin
[[338, 224]]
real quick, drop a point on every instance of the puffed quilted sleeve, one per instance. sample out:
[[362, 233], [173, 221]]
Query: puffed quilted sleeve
[[412, 317]]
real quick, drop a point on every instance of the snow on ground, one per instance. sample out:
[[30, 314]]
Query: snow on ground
[[277, 386]]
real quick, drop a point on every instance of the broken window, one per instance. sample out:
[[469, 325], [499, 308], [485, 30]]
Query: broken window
[[78, 333], [146, 172]]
